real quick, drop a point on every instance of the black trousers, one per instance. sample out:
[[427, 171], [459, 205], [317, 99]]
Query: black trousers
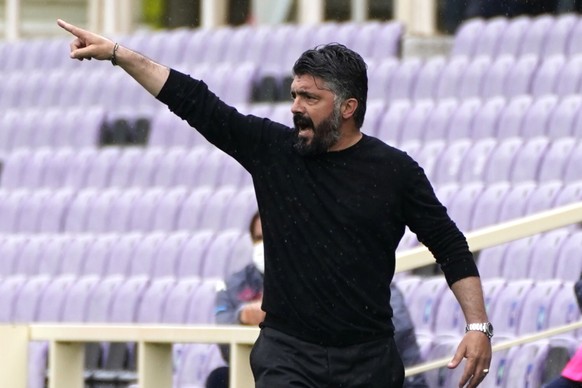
[[280, 360]]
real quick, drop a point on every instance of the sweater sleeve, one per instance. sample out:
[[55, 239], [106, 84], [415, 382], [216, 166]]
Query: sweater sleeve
[[429, 220]]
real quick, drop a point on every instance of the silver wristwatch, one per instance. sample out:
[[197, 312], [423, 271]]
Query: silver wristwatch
[[486, 328]]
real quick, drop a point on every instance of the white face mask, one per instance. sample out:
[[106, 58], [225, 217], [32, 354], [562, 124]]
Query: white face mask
[[259, 256]]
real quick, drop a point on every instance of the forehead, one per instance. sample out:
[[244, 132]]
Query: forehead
[[307, 82]]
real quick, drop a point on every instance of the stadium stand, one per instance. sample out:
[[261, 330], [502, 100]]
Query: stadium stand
[[112, 219]]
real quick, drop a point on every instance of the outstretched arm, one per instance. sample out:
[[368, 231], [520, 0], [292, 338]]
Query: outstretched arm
[[88, 45], [475, 346]]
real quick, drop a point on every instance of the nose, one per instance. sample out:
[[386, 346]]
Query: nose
[[297, 107]]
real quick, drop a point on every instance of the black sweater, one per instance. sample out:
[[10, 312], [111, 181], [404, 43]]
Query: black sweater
[[331, 222]]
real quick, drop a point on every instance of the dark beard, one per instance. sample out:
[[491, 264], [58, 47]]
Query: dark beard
[[325, 135]]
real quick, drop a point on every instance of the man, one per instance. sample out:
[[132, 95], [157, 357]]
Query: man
[[240, 303], [334, 204]]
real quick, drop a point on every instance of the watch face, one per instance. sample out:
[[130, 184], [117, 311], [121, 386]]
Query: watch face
[[489, 329]]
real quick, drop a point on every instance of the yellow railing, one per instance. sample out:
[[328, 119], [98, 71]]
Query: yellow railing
[[155, 342]]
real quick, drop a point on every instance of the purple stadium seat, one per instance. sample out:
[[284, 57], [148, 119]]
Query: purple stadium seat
[[127, 298], [570, 193], [438, 122], [34, 170], [461, 207], [443, 377], [568, 263], [427, 78], [471, 82], [513, 36], [29, 257], [99, 210], [476, 160], [543, 197], [31, 208], [10, 287], [165, 264], [500, 163], [76, 171], [151, 305], [390, 127], [414, 123], [122, 174], [241, 254], [232, 173], [214, 212], [461, 124], [165, 170], [404, 79], [489, 39], [56, 167], [562, 119], [241, 208], [165, 214], [545, 78], [54, 211], [492, 288], [10, 202], [13, 168], [518, 258], [514, 203], [121, 255], [487, 118], [450, 79], [51, 301], [512, 116], [445, 193], [534, 39], [98, 255], [77, 299], [191, 371], [142, 211], [574, 45], [188, 168], [27, 302], [570, 77], [10, 249], [388, 40], [429, 154], [526, 363], [449, 319], [101, 166], [508, 307], [191, 211], [466, 38], [564, 308], [176, 307], [76, 217], [122, 208], [201, 308], [545, 255], [374, 111], [144, 255], [74, 253], [423, 305], [143, 172], [487, 206], [218, 254], [559, 35], [191, 259], [99, 303], [573, 163], [528, 157], [521, 75]]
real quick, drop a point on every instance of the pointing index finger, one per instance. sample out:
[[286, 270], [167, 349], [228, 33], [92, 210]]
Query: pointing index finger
[[69, 27]]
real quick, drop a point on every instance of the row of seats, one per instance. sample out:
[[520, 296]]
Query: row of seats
[[271, 45], [463, 161], [113, 299], [203, 254], [543, 36], [552, 255], [483, 77], [121, 211], [518, 307], [119, 167]]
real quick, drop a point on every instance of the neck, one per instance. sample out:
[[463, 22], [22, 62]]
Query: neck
[[347, 139]]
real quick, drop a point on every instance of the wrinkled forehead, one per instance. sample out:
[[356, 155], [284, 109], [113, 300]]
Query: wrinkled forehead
[[308, 83]]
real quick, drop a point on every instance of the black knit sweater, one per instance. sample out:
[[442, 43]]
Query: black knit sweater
[[331, 222]]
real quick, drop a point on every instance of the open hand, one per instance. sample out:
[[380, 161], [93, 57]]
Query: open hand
[[86, 44], [476, 349]]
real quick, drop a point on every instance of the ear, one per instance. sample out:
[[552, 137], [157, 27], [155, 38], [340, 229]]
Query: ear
[[349, 107]]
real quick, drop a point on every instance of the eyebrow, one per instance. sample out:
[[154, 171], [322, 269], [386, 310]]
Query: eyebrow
[[302, 93]]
